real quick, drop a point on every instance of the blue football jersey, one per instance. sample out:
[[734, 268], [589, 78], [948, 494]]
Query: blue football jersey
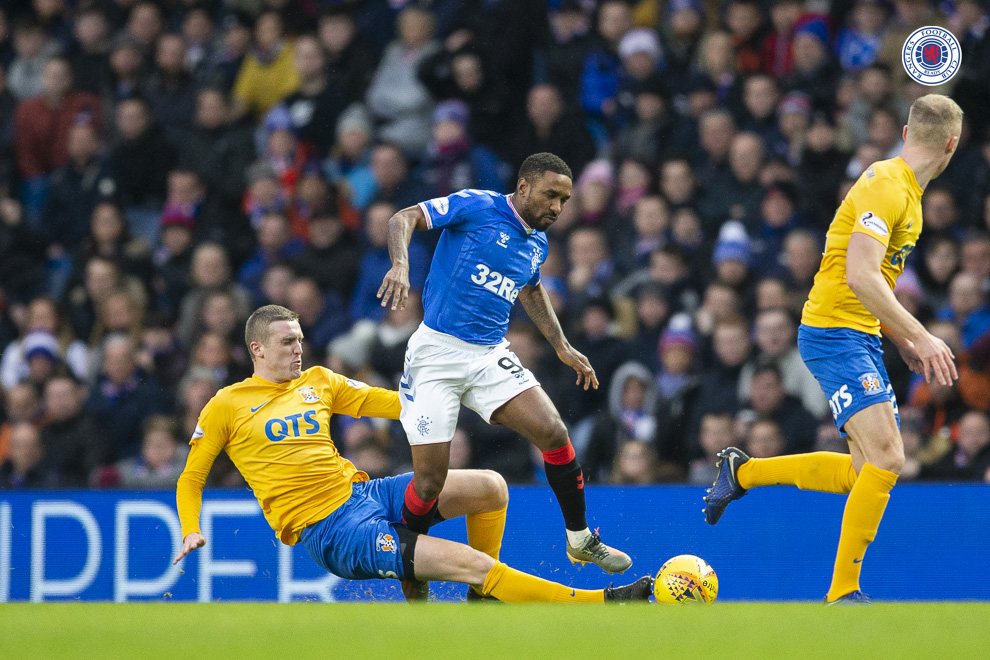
[[485, 255]]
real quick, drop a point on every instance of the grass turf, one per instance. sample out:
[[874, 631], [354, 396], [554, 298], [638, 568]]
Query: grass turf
[[439, 630]]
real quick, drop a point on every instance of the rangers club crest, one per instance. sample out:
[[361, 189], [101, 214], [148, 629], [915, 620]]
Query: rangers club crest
[[535, 261], [931, 55], [308, 395]]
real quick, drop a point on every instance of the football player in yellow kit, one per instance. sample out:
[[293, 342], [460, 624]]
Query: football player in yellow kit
[[275, 426], [873, 232]]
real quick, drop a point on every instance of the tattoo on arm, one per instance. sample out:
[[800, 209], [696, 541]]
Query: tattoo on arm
[[400, 231], [536, 302]]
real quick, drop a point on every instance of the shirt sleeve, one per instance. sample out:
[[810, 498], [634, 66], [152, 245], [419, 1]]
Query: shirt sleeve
[[209, 439], [357, 399], [879, 207], [457, 208]]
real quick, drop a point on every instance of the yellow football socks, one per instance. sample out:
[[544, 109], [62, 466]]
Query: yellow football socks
[[824, 471], [484, 532], [512, 586], [864, 510]]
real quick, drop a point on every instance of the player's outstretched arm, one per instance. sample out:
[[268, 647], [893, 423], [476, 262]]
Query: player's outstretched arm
[[919, 347], [192, 541], [536, 302], [401, 226]]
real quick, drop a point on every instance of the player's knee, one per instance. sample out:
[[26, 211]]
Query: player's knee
[[496, 490], [555, 435], [889, 456], [428, 485]]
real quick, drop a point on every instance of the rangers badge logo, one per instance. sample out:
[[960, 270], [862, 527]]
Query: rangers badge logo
[[308, 395], [931, 55]]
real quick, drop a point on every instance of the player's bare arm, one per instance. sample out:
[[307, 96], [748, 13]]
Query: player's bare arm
[[401, 226], [536, 302], [919, 347]]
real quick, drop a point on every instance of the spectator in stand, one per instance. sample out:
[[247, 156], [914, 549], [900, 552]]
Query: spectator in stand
[[967, 308], [802, 256], [110, 238], [859, 44], [392, 180], [635, 464], [267, 74], [815, 73], [650, 228], [350, 62], [452, 162], [42, 126], [25, 467], [717, 433], [744, 18], [235, 42], [89, 53], [603, 67], [758, 115], [820, 173], [123, 396], [764, 439], [73, 441], [768, 399], [968, 459], [126, 69], [162, 458], [396, 96], [200, 37], [170, 89], [776, 342], [777, 54], [140, 162], [21, 404], [145, 24], [569, 31], [275, 244], [322, 316], [331, 256], [678, 184], [33, 49], [550, 127], [315, 106], [74, 189], [43, 316], [592, 272], [375, 263], [632, 402], [210, 272]]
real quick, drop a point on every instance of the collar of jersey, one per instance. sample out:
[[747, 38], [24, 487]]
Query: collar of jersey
[[282, 386], [508, 200]]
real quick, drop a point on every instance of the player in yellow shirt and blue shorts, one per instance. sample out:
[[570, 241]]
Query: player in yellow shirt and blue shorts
[[874, 230], [275, 426]]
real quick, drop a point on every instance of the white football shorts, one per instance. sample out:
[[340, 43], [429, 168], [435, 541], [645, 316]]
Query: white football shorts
[[441, 372]]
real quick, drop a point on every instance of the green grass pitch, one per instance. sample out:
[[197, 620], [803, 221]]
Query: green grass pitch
[[441, 630]]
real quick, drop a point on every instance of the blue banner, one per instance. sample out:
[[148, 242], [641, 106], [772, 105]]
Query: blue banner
[[776, 544]]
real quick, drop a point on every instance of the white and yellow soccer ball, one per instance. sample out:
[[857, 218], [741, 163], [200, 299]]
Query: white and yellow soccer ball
[[686, 579]]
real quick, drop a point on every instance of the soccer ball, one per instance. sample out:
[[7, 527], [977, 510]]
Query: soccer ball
[[686, 579]]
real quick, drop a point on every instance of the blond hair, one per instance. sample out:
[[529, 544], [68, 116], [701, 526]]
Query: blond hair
[[933, 119], [258, 326]]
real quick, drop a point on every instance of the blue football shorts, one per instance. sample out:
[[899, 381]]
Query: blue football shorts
[[848, 365], [359, 541]]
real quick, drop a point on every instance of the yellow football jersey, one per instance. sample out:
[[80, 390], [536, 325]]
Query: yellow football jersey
[[884, 203], [278, 436]]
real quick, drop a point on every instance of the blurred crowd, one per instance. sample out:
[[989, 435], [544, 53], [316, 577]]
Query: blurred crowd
[[167, 166]]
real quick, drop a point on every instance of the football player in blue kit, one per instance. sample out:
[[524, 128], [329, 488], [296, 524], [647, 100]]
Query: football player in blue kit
[[489, 254]]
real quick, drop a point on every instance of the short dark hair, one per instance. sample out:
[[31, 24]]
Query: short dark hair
[[533, 168], [258, 326]]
